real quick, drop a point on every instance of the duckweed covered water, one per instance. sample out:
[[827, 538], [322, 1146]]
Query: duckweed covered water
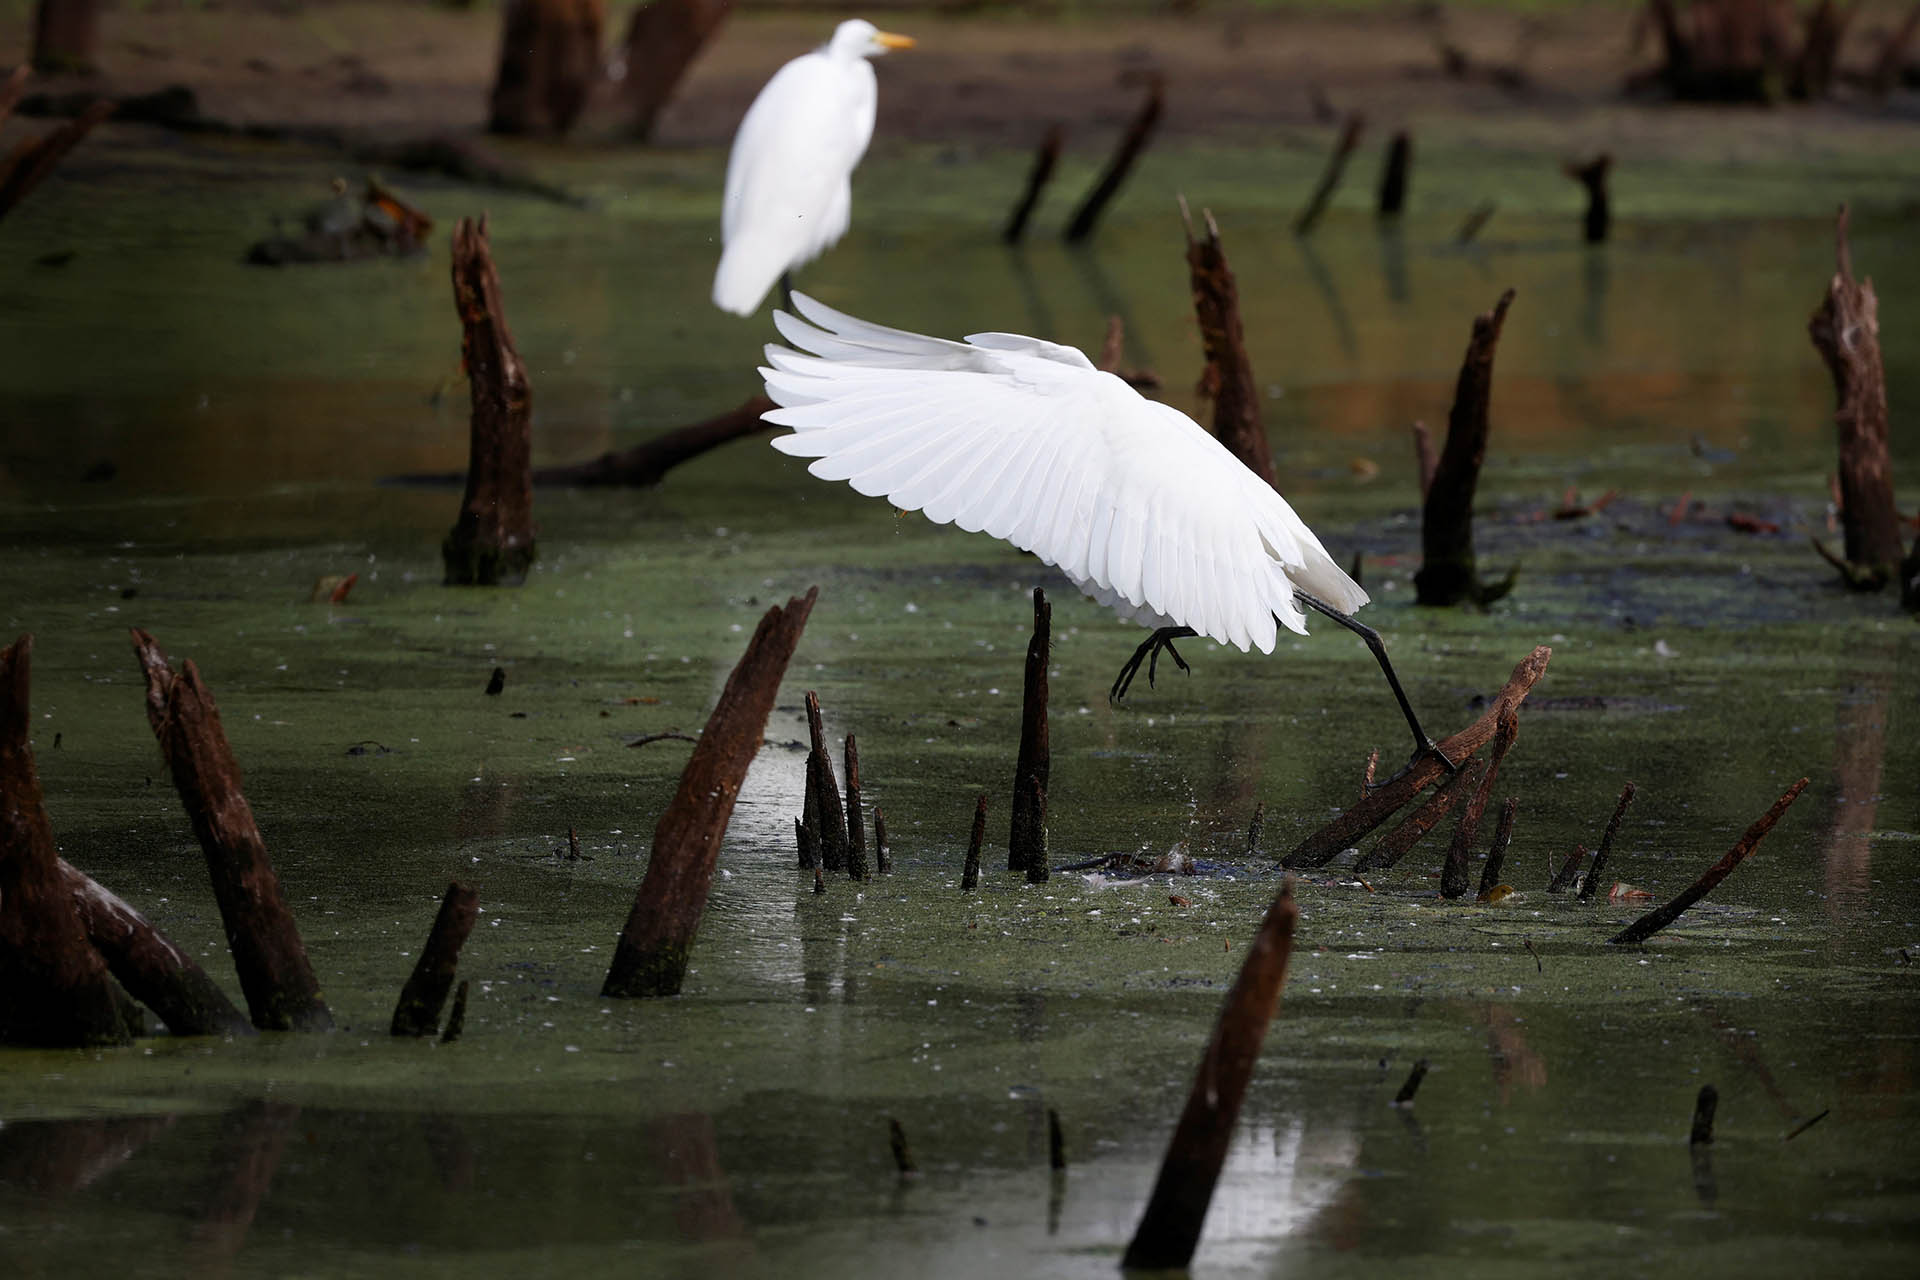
[[236, 424]]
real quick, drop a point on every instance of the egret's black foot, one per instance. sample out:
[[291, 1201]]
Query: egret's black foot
[[1149, 653]]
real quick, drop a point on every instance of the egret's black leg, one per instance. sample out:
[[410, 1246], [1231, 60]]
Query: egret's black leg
[[1421, 742], [786, 293], [1149, 653]]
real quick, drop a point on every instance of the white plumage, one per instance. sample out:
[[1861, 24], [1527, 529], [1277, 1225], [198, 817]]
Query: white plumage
[[789, 177], [1026, 440]]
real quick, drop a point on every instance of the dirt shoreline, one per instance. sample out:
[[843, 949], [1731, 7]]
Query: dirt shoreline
[[995, 80]]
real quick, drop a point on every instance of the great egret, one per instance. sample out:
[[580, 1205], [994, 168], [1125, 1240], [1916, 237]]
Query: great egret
[[1145, 511], [790, 177]]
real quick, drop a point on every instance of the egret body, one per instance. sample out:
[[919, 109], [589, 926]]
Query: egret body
[[1025, 439], [790, 176]]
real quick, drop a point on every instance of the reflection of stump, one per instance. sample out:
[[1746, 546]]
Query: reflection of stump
[[492, 540], [663, 39], [1846, 331], [549, 61], [65, 34], [1447, 574]]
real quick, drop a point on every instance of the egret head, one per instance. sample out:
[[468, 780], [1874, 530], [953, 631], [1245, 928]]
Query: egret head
[[858, 38]]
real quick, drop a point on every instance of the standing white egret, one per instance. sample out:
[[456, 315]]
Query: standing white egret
[[1025, 439], [790, 177]]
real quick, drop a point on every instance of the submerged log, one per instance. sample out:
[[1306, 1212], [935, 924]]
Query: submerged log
[[1027, 833], [152, 968], [1660, 917], [1447, 574], [58, 993], [1592, 881], [1453, 876], [418, 1012], [663, 38], [1169, 1229], [646, 464], [1393, 177], [492, 540], [1228, 376], [1846, 331], [1330, 177], [1132, 143], [549, 63], [1044, 161], [29, 163], [278, 981], [651, 958], [1387, 799]]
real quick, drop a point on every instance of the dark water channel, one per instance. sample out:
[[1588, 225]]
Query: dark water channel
[[190, 444]]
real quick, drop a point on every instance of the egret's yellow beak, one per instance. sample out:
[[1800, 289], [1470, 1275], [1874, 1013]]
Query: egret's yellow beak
[[888, 40]]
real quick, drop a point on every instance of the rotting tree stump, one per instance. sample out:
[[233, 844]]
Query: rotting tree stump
[[1453, 875], [651, 957], [150, 965], [425, 993], [1228, 375], [549, 63], [278, 981], [492, 539], [829, 821], [66, 35], [1027, 832], [1845, 329], [1447, 574], [57, 992], [663, 39]]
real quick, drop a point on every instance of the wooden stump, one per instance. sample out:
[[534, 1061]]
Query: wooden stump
[[663, 39], [549, 63], [1027, 833], [492, 540], [57, 992], [1228, 376], [651, 958], [1447, 573], [418, 1012], [66, 35]]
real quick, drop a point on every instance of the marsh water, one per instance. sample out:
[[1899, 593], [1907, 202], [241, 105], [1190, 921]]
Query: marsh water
[[191, 444]]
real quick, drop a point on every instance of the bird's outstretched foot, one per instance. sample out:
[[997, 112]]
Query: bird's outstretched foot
[[1149, 653], [1427, 747]]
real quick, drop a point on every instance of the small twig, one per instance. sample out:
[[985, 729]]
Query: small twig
[[1606, 843], [646, 738], [1404, 1098], [1805, 1125], [1659, 918]]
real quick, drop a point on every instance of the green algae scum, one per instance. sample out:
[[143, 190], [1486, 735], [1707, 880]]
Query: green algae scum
[[192, 444]]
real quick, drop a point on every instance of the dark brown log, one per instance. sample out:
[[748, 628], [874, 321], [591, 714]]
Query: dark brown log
[[1132, 143], [651, 958], [153, 969], [1044, 161], [1330, 176], [856, 827], [57, 991], [66, 35], [808, 841], [1169, 1229], [1385, 800], [1453, 876], [457, 1019], [1393, 178], [970, 869], [492, 540], [1228, 376], [1027, 833], [1423, 457], [1592, 881], [1497, 851], [1569, 871], [827, 804], [281, 990], [645, 465], [28, 164], [1846, 331], [1394, 845], [549, 63], [663, 39], [1893, 54], [1592, 175], [1660, 917], [418, 1013], [1447, 575]]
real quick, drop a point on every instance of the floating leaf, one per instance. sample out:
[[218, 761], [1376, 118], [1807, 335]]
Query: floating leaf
[[1624, 892], [332, 588], [1498, 893]]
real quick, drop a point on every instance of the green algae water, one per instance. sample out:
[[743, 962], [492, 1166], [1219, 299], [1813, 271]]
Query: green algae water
[[191, 444]]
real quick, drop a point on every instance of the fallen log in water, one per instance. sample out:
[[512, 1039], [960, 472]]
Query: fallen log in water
[[646, 464], [58, 993], [1660, 917], [1393, 846], [1228, 376], [1027, 833], [1169, 1229], [1447, 573], [1132, 143], [491, 541], [418, 1012], [1387, 799], [651, 958], [278, 981]]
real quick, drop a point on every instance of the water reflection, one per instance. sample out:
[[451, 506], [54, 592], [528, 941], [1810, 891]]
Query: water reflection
[[52, 1159], [252, 1141], [1859, 752]]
